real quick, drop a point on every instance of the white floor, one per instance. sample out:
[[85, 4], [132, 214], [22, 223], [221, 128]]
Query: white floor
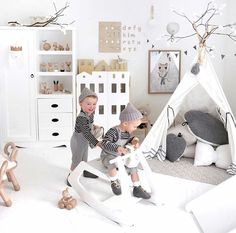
[[42, 174]]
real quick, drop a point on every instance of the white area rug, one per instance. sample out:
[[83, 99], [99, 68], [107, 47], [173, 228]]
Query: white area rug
[[42, 175]]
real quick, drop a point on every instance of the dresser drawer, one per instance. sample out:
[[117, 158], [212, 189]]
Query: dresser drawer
[[55, 120], [55, 134], [54, 105]]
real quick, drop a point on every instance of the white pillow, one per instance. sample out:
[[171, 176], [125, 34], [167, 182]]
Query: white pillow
[[186, 134], [189, 151], [223, 156], [205, 154]]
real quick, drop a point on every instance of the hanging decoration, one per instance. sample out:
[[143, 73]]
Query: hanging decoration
[[110, 37], [152, 19], [172, 28], [16, 55], [222, 56]]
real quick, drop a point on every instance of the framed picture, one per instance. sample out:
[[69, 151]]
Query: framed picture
[[163, 71]]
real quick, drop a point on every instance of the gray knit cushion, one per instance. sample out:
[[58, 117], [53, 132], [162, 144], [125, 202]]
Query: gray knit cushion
[[206, 128], [175, 146]]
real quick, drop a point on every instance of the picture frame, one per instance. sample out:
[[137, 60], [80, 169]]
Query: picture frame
[[164, 68]]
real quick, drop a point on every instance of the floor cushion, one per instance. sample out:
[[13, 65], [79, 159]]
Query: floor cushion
[[175, 146], [206, 127]]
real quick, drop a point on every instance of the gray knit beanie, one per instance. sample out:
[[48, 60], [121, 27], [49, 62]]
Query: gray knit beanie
[[130, 113], [85, 93]]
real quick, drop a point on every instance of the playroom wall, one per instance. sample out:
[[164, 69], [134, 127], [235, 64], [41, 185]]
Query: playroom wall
[[88, 13]]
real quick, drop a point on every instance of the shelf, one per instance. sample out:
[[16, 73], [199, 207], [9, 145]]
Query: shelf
[[51, 52], [55, 95], [55, 73]]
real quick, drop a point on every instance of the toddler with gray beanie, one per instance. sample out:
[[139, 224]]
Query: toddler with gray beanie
[[113, 145], [83, 135]]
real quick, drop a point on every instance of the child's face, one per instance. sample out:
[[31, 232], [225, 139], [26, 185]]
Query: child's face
[[131, 126], [88, 104]]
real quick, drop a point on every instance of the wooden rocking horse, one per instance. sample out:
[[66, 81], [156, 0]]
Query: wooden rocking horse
[[9, 163]]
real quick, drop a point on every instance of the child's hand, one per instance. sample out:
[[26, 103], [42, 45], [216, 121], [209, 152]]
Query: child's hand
[[121, 150], [95, 126], [99, 144], [135, 142]]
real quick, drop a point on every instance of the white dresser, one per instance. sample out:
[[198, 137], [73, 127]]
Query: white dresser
[[55, 119]]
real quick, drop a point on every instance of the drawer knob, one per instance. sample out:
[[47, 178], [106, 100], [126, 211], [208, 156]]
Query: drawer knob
[[55, 120], [54, 105], [55, 134]]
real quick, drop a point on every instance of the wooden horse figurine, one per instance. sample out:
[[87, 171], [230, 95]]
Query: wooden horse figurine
[[6, 171]]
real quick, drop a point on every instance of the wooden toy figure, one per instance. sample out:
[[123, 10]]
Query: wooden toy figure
[[67, 201]]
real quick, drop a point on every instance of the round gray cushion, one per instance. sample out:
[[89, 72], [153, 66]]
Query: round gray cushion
[[175, 146], [206, 127]]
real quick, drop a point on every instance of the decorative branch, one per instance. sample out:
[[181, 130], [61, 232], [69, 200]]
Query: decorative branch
[[204, 21], [53, 20]]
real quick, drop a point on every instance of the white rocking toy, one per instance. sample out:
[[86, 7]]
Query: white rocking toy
[[116, 208]]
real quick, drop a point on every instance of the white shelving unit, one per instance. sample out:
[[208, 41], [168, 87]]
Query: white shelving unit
[[56, 71], [26, 68]]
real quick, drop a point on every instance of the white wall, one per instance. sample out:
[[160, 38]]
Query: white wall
[[88, 13]]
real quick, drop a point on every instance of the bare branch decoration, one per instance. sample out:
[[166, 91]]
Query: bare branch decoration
[[52, 20], [204, 21]]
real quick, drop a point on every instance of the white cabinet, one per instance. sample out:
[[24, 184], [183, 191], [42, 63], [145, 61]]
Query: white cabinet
[[112, 88], [37, 68], [17, 86], [55, 119]]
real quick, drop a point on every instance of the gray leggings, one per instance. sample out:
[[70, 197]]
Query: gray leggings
[[79, 149]]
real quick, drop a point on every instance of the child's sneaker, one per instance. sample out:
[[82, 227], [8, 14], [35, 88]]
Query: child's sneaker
[[140, 192], [115, 186]]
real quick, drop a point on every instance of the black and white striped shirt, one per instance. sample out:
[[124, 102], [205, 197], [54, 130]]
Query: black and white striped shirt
[[83, 125], [111, 137]]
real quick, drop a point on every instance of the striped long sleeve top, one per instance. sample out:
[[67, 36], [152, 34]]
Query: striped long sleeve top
[[83, 125], [109, 142]]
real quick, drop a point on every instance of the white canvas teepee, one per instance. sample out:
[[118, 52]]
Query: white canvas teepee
[[195, 92]]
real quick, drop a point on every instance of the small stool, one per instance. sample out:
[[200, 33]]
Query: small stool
[[9, 163]]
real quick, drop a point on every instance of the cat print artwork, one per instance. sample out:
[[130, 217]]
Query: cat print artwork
[[164, 71]]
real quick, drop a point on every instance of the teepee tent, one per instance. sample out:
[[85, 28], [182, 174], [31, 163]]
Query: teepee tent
[[201, 92]]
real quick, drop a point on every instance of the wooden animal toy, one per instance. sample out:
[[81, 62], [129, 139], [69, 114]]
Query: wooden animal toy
[[67, 201], [9, 163]]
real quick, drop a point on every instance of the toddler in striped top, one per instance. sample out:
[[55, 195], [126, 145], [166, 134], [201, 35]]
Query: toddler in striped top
[[82, 136]]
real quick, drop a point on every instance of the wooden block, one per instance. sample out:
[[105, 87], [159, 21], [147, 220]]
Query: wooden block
[[86, 65], [116, 65], [102, 66]]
